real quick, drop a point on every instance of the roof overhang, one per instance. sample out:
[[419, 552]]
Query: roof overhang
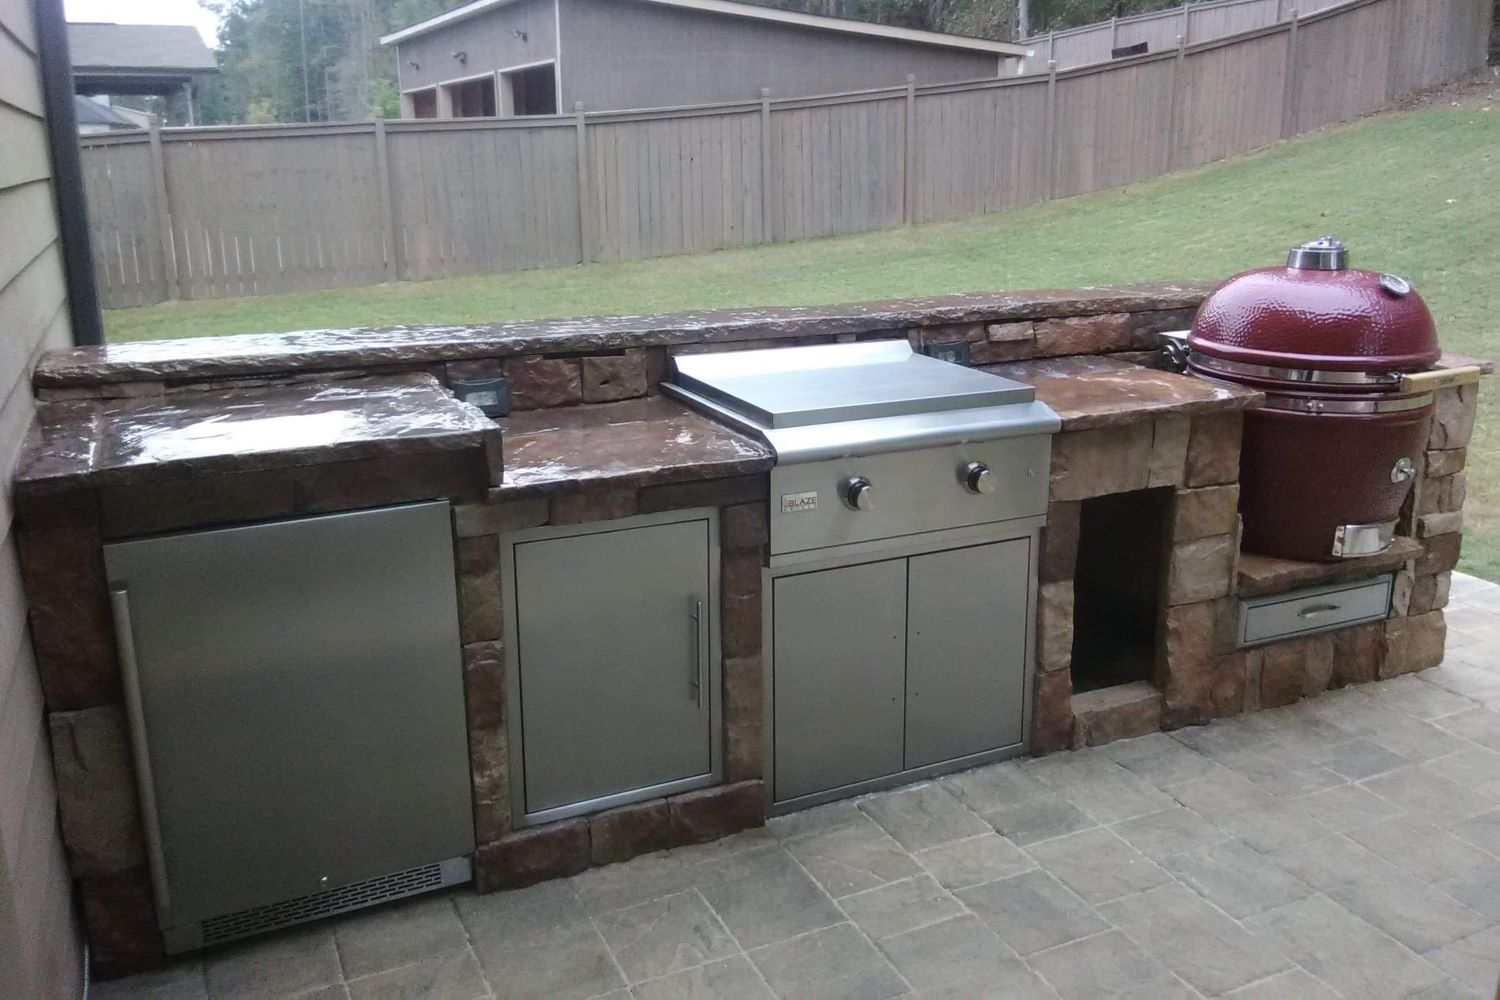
[[118, 81], [732, 8]]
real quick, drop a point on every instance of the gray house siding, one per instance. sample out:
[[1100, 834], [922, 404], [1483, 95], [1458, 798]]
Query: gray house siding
[[489, 40], [640, 55], [616, 54], [39, 948]]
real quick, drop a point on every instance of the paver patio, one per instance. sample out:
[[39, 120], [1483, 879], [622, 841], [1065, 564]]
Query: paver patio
[[1348, 845]]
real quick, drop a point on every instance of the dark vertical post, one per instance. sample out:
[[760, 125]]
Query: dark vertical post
[[67, 173]]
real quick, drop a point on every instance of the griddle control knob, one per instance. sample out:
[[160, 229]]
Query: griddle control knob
[[978, 478], [858, 493]]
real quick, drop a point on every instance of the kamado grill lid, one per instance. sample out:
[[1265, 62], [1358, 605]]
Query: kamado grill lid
[[1316, 313]]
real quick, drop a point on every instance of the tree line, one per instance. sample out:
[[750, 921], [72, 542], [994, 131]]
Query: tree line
[[321, 60]]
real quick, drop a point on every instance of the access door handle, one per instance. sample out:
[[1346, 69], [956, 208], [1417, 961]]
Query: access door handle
[[695, 682], [1319, 609], [119, 604]]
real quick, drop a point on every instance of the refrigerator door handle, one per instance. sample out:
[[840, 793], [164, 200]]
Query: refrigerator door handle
[[119, 602]]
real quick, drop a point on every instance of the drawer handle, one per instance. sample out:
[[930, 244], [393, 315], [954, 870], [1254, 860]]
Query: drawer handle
[[1318, 610], [695, 683]]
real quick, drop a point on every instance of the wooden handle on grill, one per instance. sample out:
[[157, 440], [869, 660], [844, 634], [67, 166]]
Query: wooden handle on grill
[[1442, 378]]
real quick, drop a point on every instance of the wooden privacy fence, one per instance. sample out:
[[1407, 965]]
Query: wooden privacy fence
[[1161, 29], [248, 210]]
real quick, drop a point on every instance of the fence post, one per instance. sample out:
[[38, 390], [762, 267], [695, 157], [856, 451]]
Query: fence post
[[909, 164], [1187, 24], [766, 234], [1114, 34], [393, 269], [1393, 60], [1289, 95], [1179, 98], [585, 208], [1051, 136], [164, 242]]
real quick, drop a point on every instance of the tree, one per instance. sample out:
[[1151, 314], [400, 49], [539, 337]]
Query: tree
[[307, 60]]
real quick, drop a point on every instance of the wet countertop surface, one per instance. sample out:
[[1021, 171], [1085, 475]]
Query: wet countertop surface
[[644, 441], [114, 441], [636, 442], [191, 359], [1088, 391]]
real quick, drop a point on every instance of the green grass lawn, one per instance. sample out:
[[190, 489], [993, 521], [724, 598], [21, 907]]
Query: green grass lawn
[[1416, 192]]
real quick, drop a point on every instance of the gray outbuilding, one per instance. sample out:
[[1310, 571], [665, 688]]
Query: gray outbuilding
[[162, 60], [530, 57]]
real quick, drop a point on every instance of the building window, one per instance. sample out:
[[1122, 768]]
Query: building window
[[472, 98], [529, 91]]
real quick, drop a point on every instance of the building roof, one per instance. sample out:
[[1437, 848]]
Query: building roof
[[91, 112], [138, 48], [732, 8]]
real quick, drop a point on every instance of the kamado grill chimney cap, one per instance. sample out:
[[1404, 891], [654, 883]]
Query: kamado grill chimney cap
[[1327, 253]]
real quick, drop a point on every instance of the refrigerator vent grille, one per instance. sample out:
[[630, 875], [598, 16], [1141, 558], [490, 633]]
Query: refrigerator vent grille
[[322, 904]]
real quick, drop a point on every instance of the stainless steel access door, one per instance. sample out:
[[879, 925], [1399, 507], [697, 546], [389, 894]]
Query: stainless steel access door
[[615, 675], [839, 640], [966, 639], [301, 689]]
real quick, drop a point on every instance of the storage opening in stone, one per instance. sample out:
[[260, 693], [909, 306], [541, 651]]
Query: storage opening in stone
[[1122, 559]]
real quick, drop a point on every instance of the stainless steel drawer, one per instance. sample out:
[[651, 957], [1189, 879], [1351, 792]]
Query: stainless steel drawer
[[1314, 609]]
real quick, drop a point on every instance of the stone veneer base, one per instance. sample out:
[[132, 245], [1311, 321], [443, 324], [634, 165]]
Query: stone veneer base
[[1189, 450], [1201, 674], [568, 847]]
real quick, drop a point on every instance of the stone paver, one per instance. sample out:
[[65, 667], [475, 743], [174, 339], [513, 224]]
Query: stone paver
[[1344, 846]]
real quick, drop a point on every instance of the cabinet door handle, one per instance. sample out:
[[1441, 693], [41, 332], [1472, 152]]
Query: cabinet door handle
[[119, 605], [696, 682]]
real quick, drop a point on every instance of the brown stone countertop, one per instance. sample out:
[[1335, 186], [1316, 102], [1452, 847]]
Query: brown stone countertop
[[118, 441], [1260, 575], [192, 359], [637, 442], [1089, 392]]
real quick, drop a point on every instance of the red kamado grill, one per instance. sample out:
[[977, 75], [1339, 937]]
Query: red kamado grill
[[1345, 358]]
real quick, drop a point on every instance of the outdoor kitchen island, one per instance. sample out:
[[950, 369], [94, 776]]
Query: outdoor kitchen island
[[591, 448]]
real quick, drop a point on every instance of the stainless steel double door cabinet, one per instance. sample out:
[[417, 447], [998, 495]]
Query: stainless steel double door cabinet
[[612, 657], [296, 691], [888, 668]]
